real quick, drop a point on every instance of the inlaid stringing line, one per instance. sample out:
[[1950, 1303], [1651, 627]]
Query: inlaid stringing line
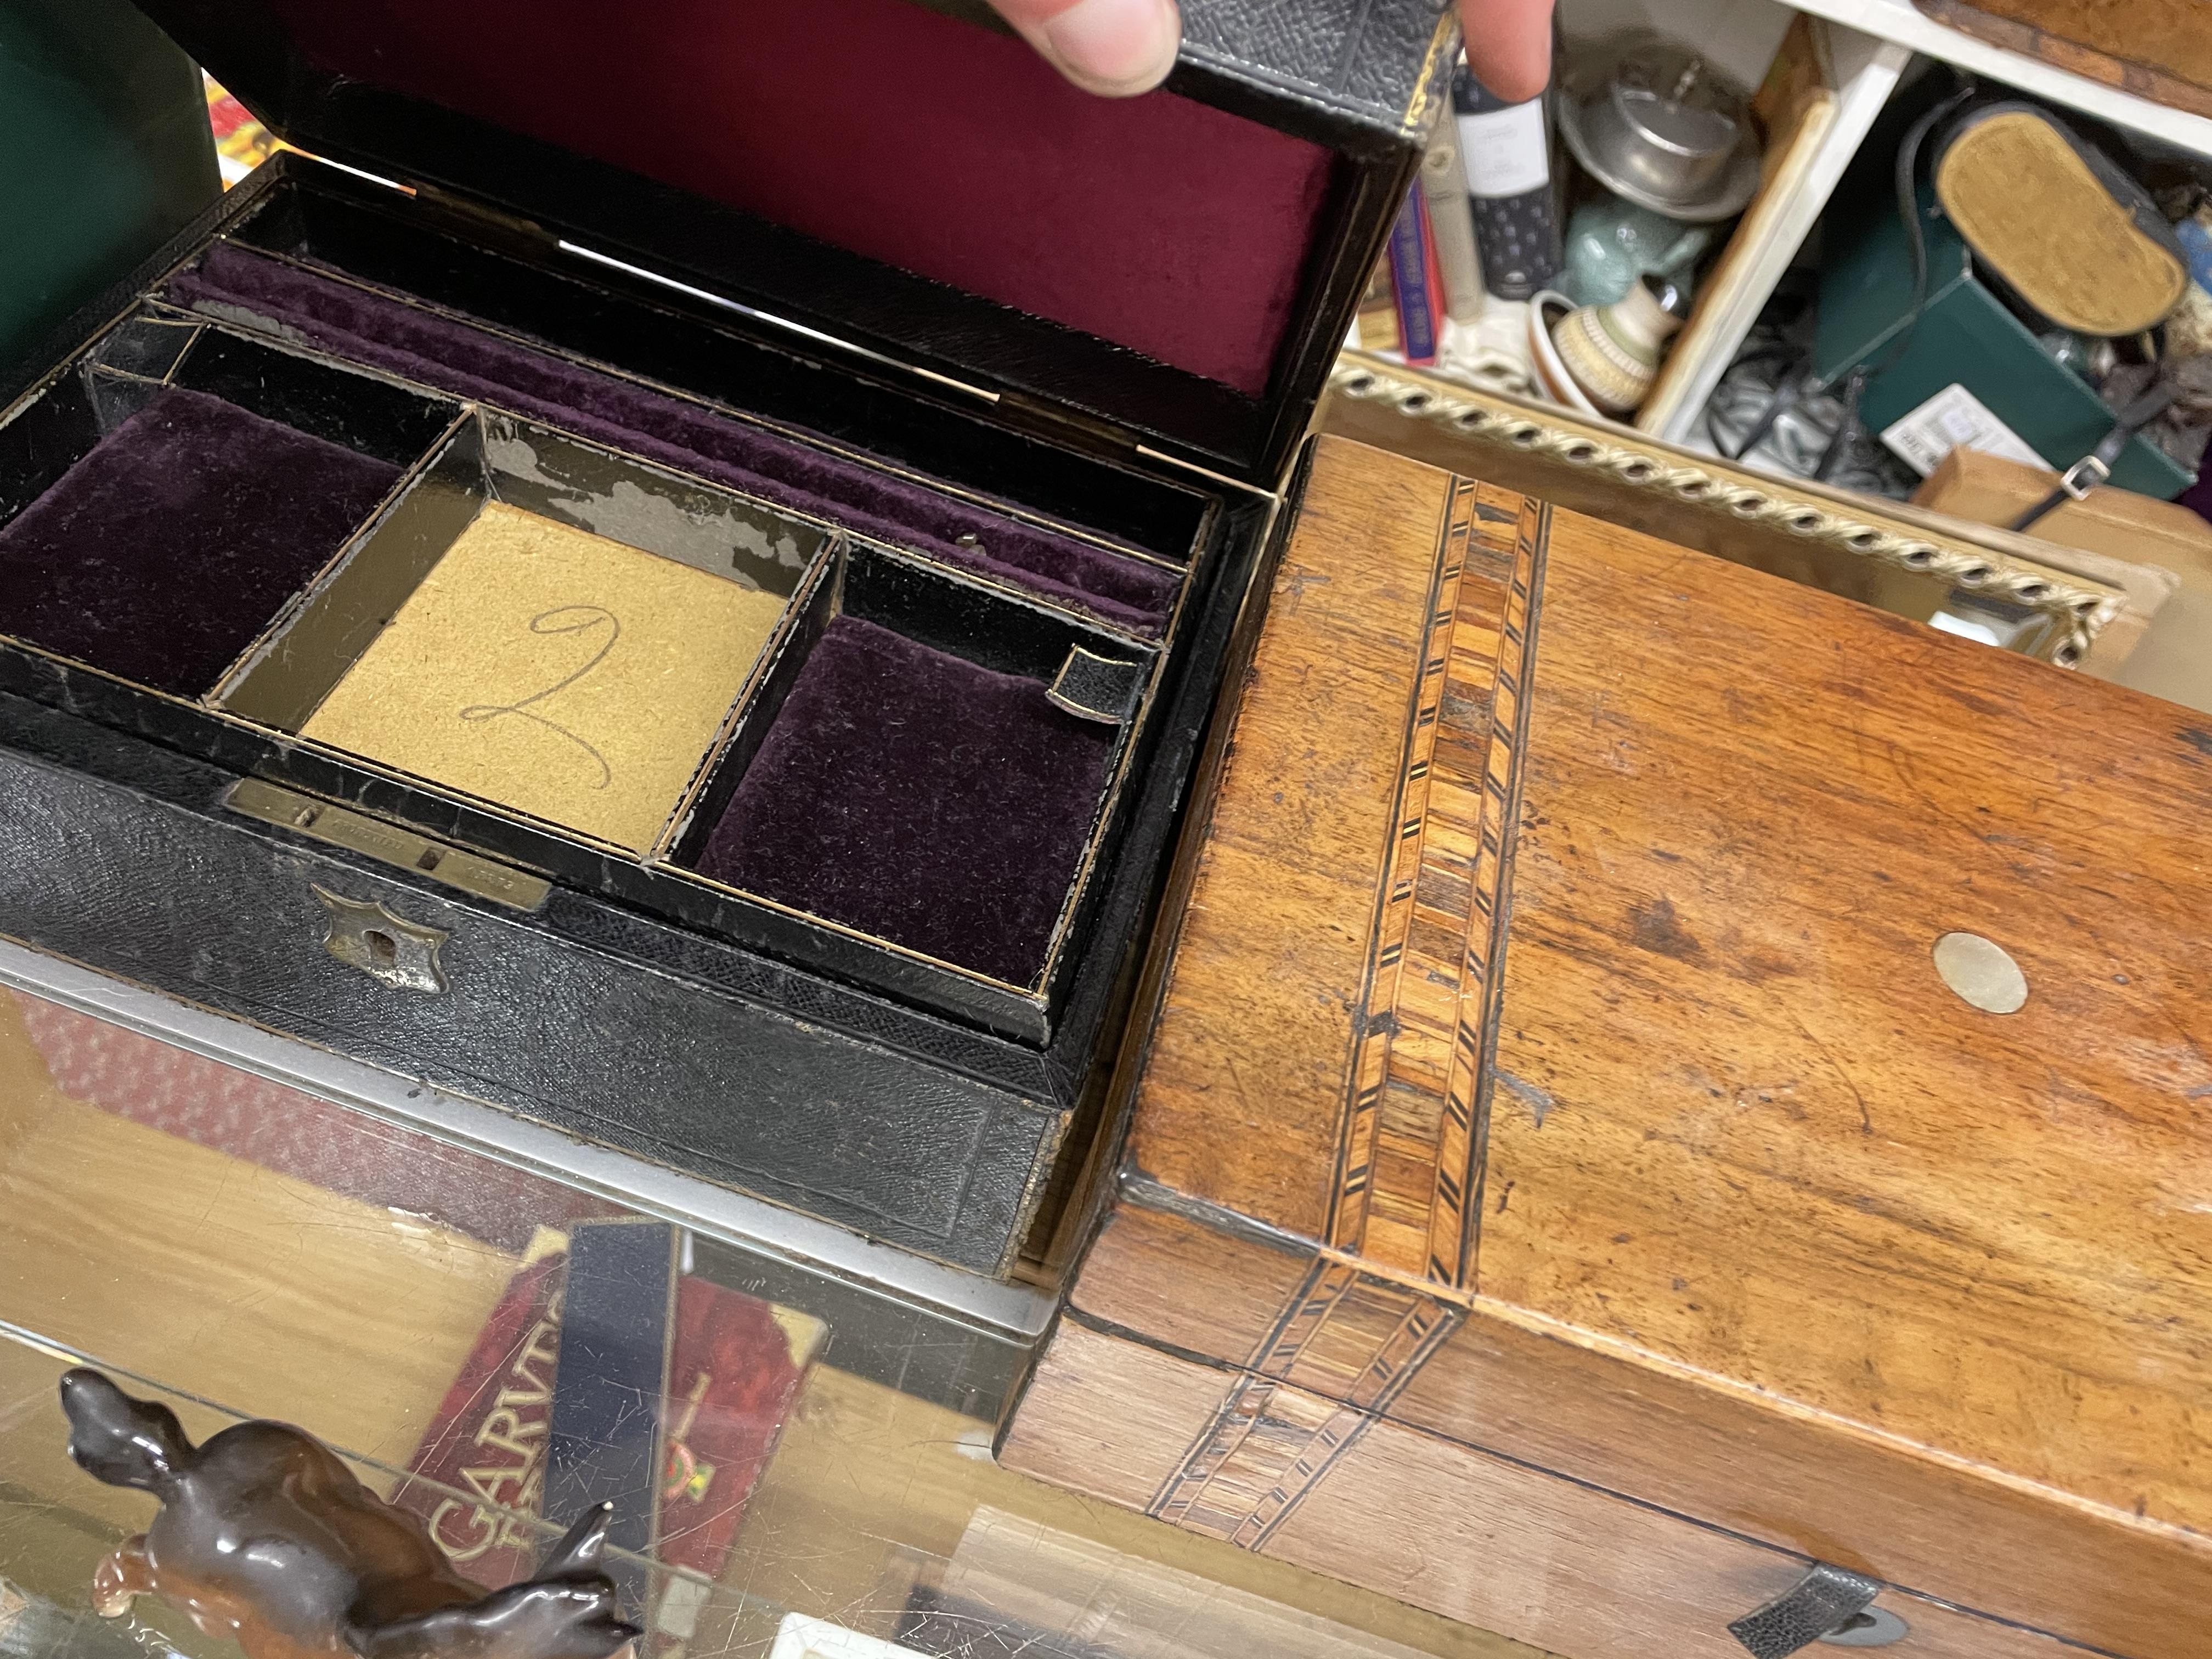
[[1509, 742], [1459, 1174], [1332, 1439], [1410, 1112], [1325, 1284], [1350, 1201], [1213, 1447], [1348, 1343]]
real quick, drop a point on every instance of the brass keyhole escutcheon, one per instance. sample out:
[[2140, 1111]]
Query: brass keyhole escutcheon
[[390, 949]]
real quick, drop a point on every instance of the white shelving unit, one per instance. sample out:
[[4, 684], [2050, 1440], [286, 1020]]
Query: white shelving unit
[[1738, 36], [1869, 45], [1864, 70], [1899, 21], [1867, 49]]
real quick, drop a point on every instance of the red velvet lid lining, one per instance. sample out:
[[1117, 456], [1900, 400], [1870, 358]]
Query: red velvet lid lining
[[1162, 225]]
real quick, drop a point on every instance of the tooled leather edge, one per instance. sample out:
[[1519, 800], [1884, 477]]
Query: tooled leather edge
[[1356, 52]]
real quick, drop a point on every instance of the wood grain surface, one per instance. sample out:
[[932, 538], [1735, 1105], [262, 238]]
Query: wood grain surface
[[1769, 1231], [1615, 1417], [189, 1267], [1322, 1080], [1740, 1123], [1475, 1537], [2161, 50], [1825, 1487], [1250, 1057]]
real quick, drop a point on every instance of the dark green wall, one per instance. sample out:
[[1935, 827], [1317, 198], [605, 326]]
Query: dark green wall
[[104, 154]]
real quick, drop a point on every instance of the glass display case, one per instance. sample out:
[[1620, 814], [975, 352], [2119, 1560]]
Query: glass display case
[[462, 1307]]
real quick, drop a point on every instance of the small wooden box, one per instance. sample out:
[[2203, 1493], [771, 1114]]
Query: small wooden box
[[939, 425], [1560, 1188]]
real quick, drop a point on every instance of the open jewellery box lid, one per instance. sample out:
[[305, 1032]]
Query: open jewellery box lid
[[1176, 270]]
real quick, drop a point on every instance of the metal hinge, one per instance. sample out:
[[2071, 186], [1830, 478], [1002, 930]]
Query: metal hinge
[[1069, 427], [1093, 436], [388, 844], [486, 225]]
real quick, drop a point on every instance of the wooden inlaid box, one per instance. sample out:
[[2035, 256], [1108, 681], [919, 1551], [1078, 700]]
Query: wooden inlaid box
[[676, 608], [1562, 1187]]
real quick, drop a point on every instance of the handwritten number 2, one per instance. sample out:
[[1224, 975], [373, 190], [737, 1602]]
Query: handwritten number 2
[[564, 619]]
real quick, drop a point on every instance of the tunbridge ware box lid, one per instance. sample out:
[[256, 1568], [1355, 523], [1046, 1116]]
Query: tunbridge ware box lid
[[1652, 1076], [1176, 270]]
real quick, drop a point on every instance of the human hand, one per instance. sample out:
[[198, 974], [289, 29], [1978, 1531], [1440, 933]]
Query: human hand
[[1121, 47]]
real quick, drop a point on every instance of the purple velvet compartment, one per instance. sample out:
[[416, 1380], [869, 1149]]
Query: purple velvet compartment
[[165, 551], [920, 798], [472, 362]]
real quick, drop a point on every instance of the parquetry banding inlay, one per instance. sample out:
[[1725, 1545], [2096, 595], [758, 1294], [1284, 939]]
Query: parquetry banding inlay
[[1348, 1340]]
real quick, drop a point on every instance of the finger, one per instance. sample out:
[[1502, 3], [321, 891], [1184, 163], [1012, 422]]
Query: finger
[[1509, 46], [1117, 48]]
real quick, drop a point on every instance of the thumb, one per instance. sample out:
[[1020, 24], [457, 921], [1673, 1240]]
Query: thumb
[[1117, 48], [1509, 46]]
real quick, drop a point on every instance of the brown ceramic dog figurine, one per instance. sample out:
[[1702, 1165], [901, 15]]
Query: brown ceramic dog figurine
[[266, 1537]]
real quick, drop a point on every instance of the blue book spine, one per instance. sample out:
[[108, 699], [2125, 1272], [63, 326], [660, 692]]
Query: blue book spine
[[1413, 274]]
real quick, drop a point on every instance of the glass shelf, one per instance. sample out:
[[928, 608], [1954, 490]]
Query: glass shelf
[[821, 1445]]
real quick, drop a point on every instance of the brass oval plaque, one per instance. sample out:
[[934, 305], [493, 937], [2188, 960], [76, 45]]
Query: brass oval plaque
[[1982, 972]]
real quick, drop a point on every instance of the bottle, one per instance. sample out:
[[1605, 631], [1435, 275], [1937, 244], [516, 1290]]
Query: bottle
[[1506, 150]]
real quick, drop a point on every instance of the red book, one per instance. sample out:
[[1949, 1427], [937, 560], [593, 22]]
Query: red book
[[735, 1369], [488, 1438]]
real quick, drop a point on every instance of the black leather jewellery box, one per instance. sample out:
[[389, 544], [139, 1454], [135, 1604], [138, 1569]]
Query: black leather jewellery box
[[673, 583]]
